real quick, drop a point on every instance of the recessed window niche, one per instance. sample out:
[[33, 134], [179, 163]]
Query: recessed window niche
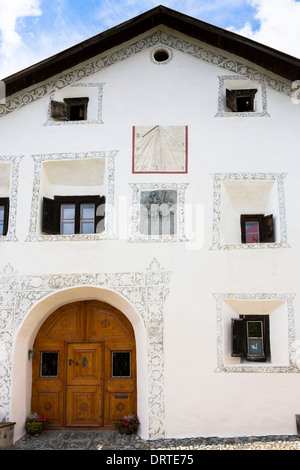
[[280, 312], [82, 99], [239, 194], [240, 88], [72, 175]]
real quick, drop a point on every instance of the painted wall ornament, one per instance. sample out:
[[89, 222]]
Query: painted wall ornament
[[146, 290]]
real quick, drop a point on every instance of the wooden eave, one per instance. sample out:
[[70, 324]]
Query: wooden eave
[[275, 61]]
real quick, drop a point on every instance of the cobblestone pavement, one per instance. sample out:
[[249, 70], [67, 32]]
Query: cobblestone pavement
[[113, 440]]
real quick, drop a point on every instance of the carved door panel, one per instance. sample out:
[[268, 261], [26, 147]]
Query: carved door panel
[[84, 400], [84, 369]]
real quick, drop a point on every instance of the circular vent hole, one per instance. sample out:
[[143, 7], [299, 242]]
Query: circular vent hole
[[161, 55]]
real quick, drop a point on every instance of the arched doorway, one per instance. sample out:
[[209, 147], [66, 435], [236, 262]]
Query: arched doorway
[[84, 367]]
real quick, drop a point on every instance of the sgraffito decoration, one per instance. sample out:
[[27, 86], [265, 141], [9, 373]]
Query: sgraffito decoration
[[146, 290]]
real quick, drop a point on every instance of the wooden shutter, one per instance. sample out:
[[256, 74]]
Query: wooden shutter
[[231, 100], [59, 110], [100, 215], [238, 336], [268, 229], [50, 223]]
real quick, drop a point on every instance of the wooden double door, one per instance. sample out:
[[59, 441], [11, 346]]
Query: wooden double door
[[84, 367]]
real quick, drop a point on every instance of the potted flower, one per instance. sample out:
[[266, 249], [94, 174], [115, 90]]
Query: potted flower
[[34, 423], [128, 424]]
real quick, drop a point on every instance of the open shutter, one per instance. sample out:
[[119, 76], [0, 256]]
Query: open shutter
[[50, 223], [238, 336], [100, 215], [59, 110], [268, 229], [231, 100], [243, 228]]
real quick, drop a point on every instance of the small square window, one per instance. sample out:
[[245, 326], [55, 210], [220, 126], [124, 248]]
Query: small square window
[[158, 214], [121, 364], [250, 338], [71, 109], [241, 101]]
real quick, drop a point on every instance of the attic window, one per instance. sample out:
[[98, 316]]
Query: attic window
[[241, 101], [71, 109]]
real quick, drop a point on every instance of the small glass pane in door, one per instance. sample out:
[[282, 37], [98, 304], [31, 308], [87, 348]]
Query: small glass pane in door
[[49, 364], [121, 364]]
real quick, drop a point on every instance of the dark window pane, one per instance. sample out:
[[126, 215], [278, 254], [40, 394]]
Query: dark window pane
[[1, 220], [254, 329], [49, 364], [244, 104], [121, 364], [77, 113]]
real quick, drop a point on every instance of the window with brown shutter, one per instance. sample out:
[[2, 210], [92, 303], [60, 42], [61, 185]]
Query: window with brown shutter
[[73, 214], [71, 109], [257, 228], [241, 101]]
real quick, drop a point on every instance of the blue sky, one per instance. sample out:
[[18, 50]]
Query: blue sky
[[32, 30]]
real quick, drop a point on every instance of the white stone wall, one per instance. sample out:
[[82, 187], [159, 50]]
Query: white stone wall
[[203, 276]]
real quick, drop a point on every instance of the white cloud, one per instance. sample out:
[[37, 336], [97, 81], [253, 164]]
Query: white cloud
[[279, 25], [10, 12], [12, 46]]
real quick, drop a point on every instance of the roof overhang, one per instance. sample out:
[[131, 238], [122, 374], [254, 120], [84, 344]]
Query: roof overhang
[[275, 61]]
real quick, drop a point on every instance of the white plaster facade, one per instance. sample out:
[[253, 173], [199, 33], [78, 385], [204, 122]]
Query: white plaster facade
[[179, 291]]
